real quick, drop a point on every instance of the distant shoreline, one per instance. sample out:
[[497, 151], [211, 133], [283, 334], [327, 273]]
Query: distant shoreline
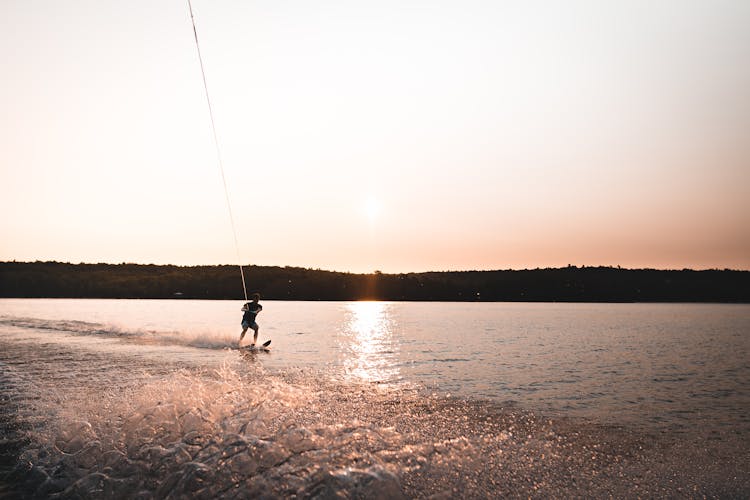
[[567, 285], [571, 302]]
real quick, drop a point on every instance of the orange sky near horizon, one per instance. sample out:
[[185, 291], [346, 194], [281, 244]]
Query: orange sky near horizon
[[394, 136]]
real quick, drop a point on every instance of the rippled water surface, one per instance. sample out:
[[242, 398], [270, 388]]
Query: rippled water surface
[[131, 398]]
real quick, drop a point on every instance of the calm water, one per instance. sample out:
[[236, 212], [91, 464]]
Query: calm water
[[108, 396]]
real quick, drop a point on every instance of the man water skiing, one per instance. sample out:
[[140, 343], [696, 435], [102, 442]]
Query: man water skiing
[[248, 318]]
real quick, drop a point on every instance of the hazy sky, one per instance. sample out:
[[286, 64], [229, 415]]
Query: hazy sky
[[392, 135]]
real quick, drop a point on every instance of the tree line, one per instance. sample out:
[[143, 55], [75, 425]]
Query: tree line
[[567, 284]]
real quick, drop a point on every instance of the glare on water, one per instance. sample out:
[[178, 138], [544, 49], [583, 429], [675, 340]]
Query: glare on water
[[369, 335]]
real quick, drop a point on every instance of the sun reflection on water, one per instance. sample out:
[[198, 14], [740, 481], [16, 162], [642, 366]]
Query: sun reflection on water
[[372, 352]]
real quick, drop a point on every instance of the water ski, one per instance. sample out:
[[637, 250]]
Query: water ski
[[255, 348]]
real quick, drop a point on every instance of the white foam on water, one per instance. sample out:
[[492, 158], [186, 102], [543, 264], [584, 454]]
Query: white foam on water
[[205, 339], [204, 433]]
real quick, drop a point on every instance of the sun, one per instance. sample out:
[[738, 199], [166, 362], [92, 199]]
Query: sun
[[372, 208]]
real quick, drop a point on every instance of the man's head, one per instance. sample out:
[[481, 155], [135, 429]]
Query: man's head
[[256, 297]]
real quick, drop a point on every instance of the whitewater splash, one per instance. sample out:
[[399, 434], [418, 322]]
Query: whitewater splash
[[203, 339], [199, 434]]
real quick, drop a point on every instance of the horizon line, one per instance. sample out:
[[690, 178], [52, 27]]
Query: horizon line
[[375, 272]]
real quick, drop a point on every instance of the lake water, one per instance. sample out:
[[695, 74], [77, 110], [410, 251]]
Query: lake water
[[150, 398]]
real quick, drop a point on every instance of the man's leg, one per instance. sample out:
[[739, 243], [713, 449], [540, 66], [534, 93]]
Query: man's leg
[[242, 336], [255, 336]]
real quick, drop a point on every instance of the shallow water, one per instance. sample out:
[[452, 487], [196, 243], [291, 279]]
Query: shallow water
[[146, 399]]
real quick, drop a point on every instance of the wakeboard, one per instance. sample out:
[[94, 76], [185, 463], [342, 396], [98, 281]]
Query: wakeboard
[[264, 347]]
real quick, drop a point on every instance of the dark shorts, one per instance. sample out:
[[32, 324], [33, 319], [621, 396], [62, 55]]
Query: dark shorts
[[252, 325]]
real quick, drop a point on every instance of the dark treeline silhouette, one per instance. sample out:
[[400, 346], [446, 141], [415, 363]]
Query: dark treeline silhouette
[[568, 284]]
